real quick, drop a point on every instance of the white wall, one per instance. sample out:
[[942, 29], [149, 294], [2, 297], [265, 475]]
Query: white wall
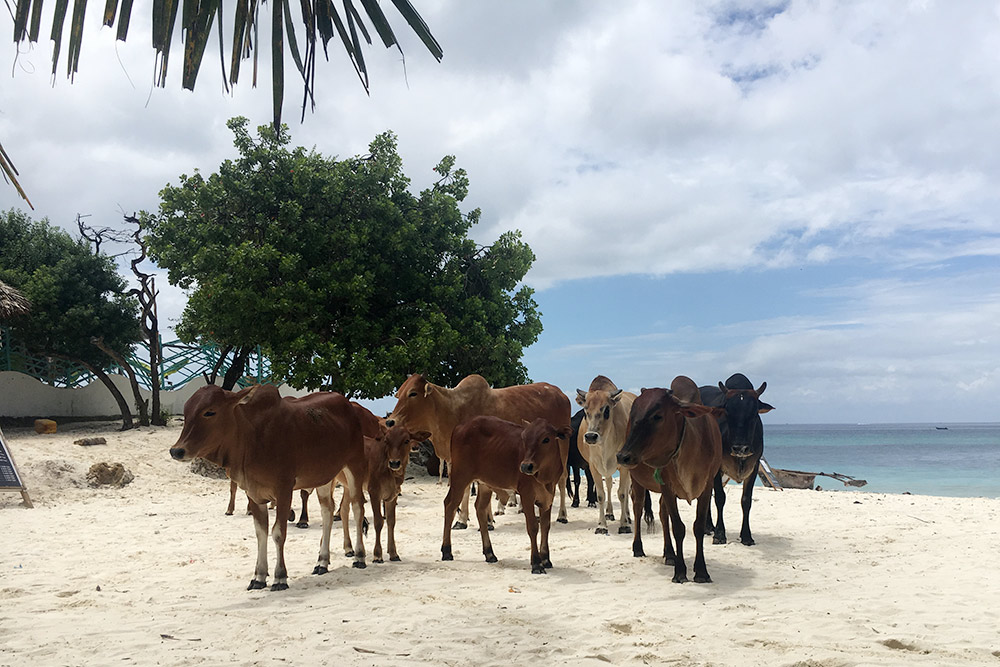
[[24, 396]]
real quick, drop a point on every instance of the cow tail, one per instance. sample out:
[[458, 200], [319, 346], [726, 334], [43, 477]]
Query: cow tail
[[647, 511]]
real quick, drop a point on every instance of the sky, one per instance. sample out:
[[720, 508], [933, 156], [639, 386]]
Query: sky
[[801, 191]]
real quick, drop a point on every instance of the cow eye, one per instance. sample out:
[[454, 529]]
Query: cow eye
[[413, 394], [209, 413], [607, 412], [657, 417], [545, 441]]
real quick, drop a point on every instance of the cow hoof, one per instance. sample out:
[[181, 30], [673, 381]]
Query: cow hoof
[[668, 561], [609, 517], [600, 531], [718, 539], [359, 565], [349, 553], [302, 524], [459, 526], [537, 569], [562, 519], [489, 526], [575, 503], [229, 513], [377, 559], [336, 517], [591, 504], [279, 587], [749, 542], [638, 553], [624, 530], [256, 585], [547, 564], [446, 553], [491, 558], [320, 569], [702, 579], [679, 579], [394, 559]]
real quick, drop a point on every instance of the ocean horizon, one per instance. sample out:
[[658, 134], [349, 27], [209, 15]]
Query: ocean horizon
[[932, 458]]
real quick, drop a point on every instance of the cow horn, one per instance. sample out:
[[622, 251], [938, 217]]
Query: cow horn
[[246, 399], [761, 390]]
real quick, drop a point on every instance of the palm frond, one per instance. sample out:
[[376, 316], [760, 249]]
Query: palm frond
[[12, 302]]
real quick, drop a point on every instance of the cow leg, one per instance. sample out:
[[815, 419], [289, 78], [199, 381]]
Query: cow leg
[[451, 503], [602, 509], [390, 521], [282, 507], [483, 500], [680, 568], [563, 515], [746, 501], [591, 487], [344, 515], [326, 506], [462, 522], [669, 558], [304, 514], [574, 484], [719, 534], [259, 512], [609, 507], [545, 519], [638, 498], [377, 513], [354, 489], [232, 498], [531, 525], [624, 485], [700, 569]]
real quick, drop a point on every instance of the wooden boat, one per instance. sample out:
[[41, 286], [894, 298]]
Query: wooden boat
[[780, 478]]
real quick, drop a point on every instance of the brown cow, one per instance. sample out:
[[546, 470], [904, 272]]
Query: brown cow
[[388, 456], [371, 427], [428, 407], [271, 446], [674, 447], [502, 455]]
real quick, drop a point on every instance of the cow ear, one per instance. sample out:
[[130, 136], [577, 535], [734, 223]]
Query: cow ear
[[723, 388], [428, 389], [420, 435], [564, 432], [693, 410], [258, 395], [615, 397], [525, 422], [581, 397], [763, 407]]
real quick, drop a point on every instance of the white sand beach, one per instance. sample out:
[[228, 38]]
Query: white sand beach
[[155, 574]]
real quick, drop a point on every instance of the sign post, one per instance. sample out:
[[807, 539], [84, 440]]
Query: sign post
[[10, 480]]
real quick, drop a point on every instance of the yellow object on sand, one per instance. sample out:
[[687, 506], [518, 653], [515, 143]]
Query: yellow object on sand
[[45, 426]]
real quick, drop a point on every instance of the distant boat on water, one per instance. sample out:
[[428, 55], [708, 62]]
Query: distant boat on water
[[941, 428]]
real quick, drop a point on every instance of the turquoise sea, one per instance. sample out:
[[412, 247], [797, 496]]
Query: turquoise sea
[[959, 460]]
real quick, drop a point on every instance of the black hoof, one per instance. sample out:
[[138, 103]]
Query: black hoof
[[590, 504], [668, 561], [749, 542], [394, 559], [336, 517], [349, 554], [562, 520], [279, 587], [575, 503], [229, 513], [320, 569], [600, 531], [489, 526], [291, 516], [624, 530], [609, 517], [256, 585], [679, 579], [702, 579], [490, 558], [460, 526], [377, 559], [638, 553], [359, 565], [446, 553], [537, 569], [719, 539], [302, 524], [547, 564]]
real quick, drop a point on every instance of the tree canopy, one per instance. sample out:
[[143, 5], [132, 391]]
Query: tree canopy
[[75, 293], [346, 279]]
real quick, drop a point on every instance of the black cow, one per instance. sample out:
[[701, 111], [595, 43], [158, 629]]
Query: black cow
[[742, 445], [575, 464]]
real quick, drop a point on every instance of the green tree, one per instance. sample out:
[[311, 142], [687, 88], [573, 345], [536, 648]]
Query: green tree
[[77, 297], [346, 279]]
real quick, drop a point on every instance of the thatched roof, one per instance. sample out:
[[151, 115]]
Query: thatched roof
[[12, 302]]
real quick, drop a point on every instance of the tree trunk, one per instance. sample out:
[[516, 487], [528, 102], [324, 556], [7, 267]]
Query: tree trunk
[[155, 360], [122, 403], [235, 372], [140, 402]]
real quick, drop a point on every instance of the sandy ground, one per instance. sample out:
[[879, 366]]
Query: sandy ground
[[155, 574]]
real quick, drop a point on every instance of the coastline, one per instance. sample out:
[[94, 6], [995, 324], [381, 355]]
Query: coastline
[[155, 573]]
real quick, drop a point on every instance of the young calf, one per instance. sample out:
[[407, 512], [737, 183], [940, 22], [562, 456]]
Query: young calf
[[388, 455], [502, 455]]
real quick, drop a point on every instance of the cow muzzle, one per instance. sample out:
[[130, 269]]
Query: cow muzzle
[[742, 451], [528, 468], [627, 459], [591, 437], [178, 453], [390, 422]]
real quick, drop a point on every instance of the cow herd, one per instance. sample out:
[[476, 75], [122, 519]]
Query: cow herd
[[682, 443]]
